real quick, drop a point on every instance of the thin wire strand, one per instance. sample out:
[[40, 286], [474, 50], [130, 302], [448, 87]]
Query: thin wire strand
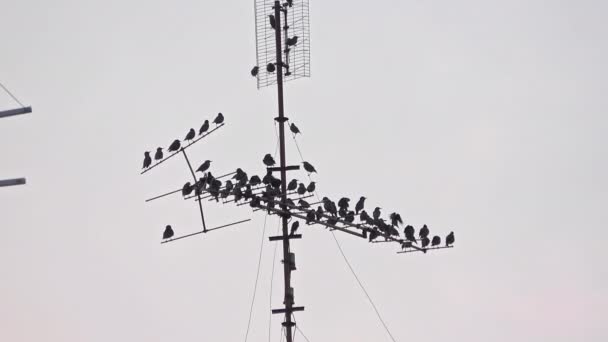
[[298, 328], [274, 258], [11, 95], [362, 287], [257, 277]]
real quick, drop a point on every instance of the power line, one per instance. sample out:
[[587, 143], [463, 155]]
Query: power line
[[11, 95], [363, 287]]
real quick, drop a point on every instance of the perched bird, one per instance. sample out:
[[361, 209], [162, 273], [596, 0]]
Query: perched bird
[[425, 242], [290, 203], [342, 212], [396, 219], [218, 119], [424, 232], [290, 3], [268, 160], [238, 194], [293, 184], [175, 145], [332, 221], [311, 187], [255, 202], [248, 192], [343, 203], [308, 167], [255, 180], [410, 233], [292, 41], [294, 129], [254, 71], [147, 160], [301, 189], [436, 241], [376, 213], [360, 204], [449, 239], [187, 189], [204, 166], [240, 174], [310, 216], [270, 67], [159, 153], [204, 128], [329, 206], [373, 235], [273, 22], [303, 204], [364, 217], [319, 213], [229, 186], [294, 227], [168, 233], [191, 134], [350, 217]]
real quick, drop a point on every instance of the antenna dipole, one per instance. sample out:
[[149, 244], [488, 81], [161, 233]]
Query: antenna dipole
[[287, 265]]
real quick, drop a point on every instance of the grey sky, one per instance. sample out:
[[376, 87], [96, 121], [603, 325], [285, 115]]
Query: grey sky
[[483, 117]]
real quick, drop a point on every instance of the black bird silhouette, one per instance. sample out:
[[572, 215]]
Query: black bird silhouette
[[147, 160], [187, 189], [290, 3], [204, 166], [410, 233], [327, 204], [376, 213], [293, 184], [424, 232], [240, 175], [449, 239], [273, 22], [204, 128], [396, 219], [255, 202], [175, 145], [229, 186], [268, 160], [254, 71], [350, 217], [425, 242], [294, 227], [310, 216], [290, 203], [319, 213], [248, 192], [436, 241], [364, 217], [332, 221], [294, 129], [270, 67], [255, 180], [191, 134], [168, 233], [311, 187], [343, 203], [373, 235], [218, 119], [303, 204], [308, 167], [301, 189], [292, 41], [159, 153], [360, 204]]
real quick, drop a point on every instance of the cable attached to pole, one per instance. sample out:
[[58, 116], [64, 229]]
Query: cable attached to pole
[[11, 95], [257, 276]]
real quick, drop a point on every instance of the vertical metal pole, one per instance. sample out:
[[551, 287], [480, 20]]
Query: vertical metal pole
[[281, 119]]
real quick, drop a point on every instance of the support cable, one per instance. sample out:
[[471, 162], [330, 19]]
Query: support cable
[[298, 328], [274, 258], [257, 276], [11, 95]]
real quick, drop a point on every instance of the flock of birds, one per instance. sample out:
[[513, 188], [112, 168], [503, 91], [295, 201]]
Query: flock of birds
[[176, 145]]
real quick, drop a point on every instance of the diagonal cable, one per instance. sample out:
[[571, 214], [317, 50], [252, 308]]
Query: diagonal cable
[[257, 276]]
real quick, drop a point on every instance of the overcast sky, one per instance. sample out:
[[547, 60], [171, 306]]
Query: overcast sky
[[483, 117]]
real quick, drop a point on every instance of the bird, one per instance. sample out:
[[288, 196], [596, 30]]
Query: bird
[[373, 235], [147, 160], [254, 71], [294, 129], [376, 213], [255, 202], [191, 134], [424, 232], [187, 189], [270, 67], [350, 217], [168, 233], [290, 3], [268, 160], [294, 227], [240, 175], [175, 145], [319, 213], [360, 204], [204, 166], [436, 241], [204, 128], [343, 203], [229, 186], [364, 217], [425, 242], [301, 189], [303, 204], [308, 167], [255, 180], [218, 119], [310, 216], [292, 41], [293, 184], [410, 233], [273, 22], [396, 219], [449, 239], [159, 153], [311, 187]]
